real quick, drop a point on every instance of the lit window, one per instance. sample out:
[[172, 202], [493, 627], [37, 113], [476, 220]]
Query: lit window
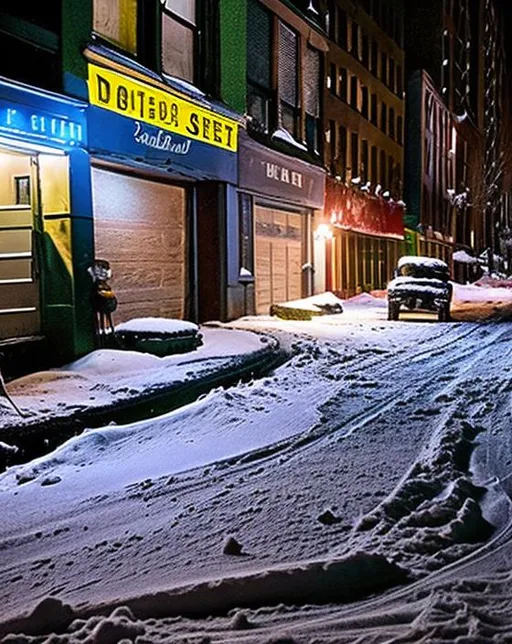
[[116, 21], [178, 38]]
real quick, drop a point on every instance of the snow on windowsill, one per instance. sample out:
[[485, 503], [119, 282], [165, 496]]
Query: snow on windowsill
[[283, 135]]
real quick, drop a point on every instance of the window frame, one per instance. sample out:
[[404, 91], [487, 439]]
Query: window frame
[[117, 45], [193, 28]]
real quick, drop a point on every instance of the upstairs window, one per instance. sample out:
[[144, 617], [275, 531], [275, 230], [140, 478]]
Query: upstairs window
[[354, 99], [384, 117], [116, 21], [259, 71], [355, 39], [287, 78], [342, 29], [374, 112], [311, 90], [384, 68], [343, 84], [179, 32]]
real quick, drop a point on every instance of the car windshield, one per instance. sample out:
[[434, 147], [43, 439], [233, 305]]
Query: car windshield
[[413, 270], [428, 268]]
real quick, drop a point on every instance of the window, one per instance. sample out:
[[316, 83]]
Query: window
[[14, 53], [374, 60], [384, 68], [353, 92], [399, 81], [392, 122], [374, 115], [116, 21], [364, 101], [311, 92], [343, 84], [330, 18], [391, 170], [354, 154], [365, 53], [342, 154], [384, 117], [245, 226], [400, 130], [364, 160], [259, 77], [333, 79], [382, 168], [332, 145], [178, 38], [392, 80], [287, 78], [374, 164], [342, 29], [355, 39]]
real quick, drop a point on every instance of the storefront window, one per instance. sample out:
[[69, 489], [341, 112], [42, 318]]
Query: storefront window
[[178, 38], [116, 21]]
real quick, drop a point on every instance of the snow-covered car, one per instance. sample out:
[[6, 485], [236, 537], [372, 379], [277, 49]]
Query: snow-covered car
[[420, 284]]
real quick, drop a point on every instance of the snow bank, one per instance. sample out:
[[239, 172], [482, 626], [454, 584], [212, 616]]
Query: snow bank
[[157, 325], [316, 303]]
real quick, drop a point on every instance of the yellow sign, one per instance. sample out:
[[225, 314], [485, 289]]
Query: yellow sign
[[164, 110]]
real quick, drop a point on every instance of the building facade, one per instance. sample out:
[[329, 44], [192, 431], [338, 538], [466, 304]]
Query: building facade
[[272, 71], [46, 228], [364, 143], [455, 53]]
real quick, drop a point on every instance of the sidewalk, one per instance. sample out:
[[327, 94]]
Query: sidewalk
[[112, 386]]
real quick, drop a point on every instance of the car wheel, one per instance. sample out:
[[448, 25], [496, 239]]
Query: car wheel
[[393, 310]]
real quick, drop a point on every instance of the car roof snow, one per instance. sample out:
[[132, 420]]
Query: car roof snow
[[427, 262]]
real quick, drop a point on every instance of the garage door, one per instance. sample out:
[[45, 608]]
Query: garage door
[[279, 256], [140, 229]]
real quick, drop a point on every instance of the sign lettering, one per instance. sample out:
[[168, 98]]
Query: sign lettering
[[160, 141], [41, 125], [162, 109], [283, 175]]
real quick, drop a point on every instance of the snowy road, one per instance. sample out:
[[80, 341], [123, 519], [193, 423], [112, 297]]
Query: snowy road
[[380, 453]]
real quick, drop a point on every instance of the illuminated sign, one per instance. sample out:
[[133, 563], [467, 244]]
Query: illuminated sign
[[162, 109], [41, 125]]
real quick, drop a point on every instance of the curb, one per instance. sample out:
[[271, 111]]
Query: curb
[[44, 436]]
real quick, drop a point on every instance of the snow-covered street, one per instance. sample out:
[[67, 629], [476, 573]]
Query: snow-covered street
[[360, 493]]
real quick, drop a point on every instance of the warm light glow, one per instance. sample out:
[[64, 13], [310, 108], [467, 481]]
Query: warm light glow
[[323, 231], [29, 147]]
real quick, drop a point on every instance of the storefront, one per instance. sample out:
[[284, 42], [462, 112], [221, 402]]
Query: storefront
[[156, 157], [45, 221], [366, 240], [278, 200]]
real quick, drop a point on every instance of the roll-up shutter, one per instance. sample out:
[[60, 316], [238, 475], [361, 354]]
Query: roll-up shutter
[[258, 45], [140, 230], [312, 82], [279, 257], [287, 65]]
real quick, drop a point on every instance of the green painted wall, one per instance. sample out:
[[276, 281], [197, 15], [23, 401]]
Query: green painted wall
[[233, 51], [76, 33]]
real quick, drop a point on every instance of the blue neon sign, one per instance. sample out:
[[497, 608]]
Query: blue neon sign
[[40, 125]]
